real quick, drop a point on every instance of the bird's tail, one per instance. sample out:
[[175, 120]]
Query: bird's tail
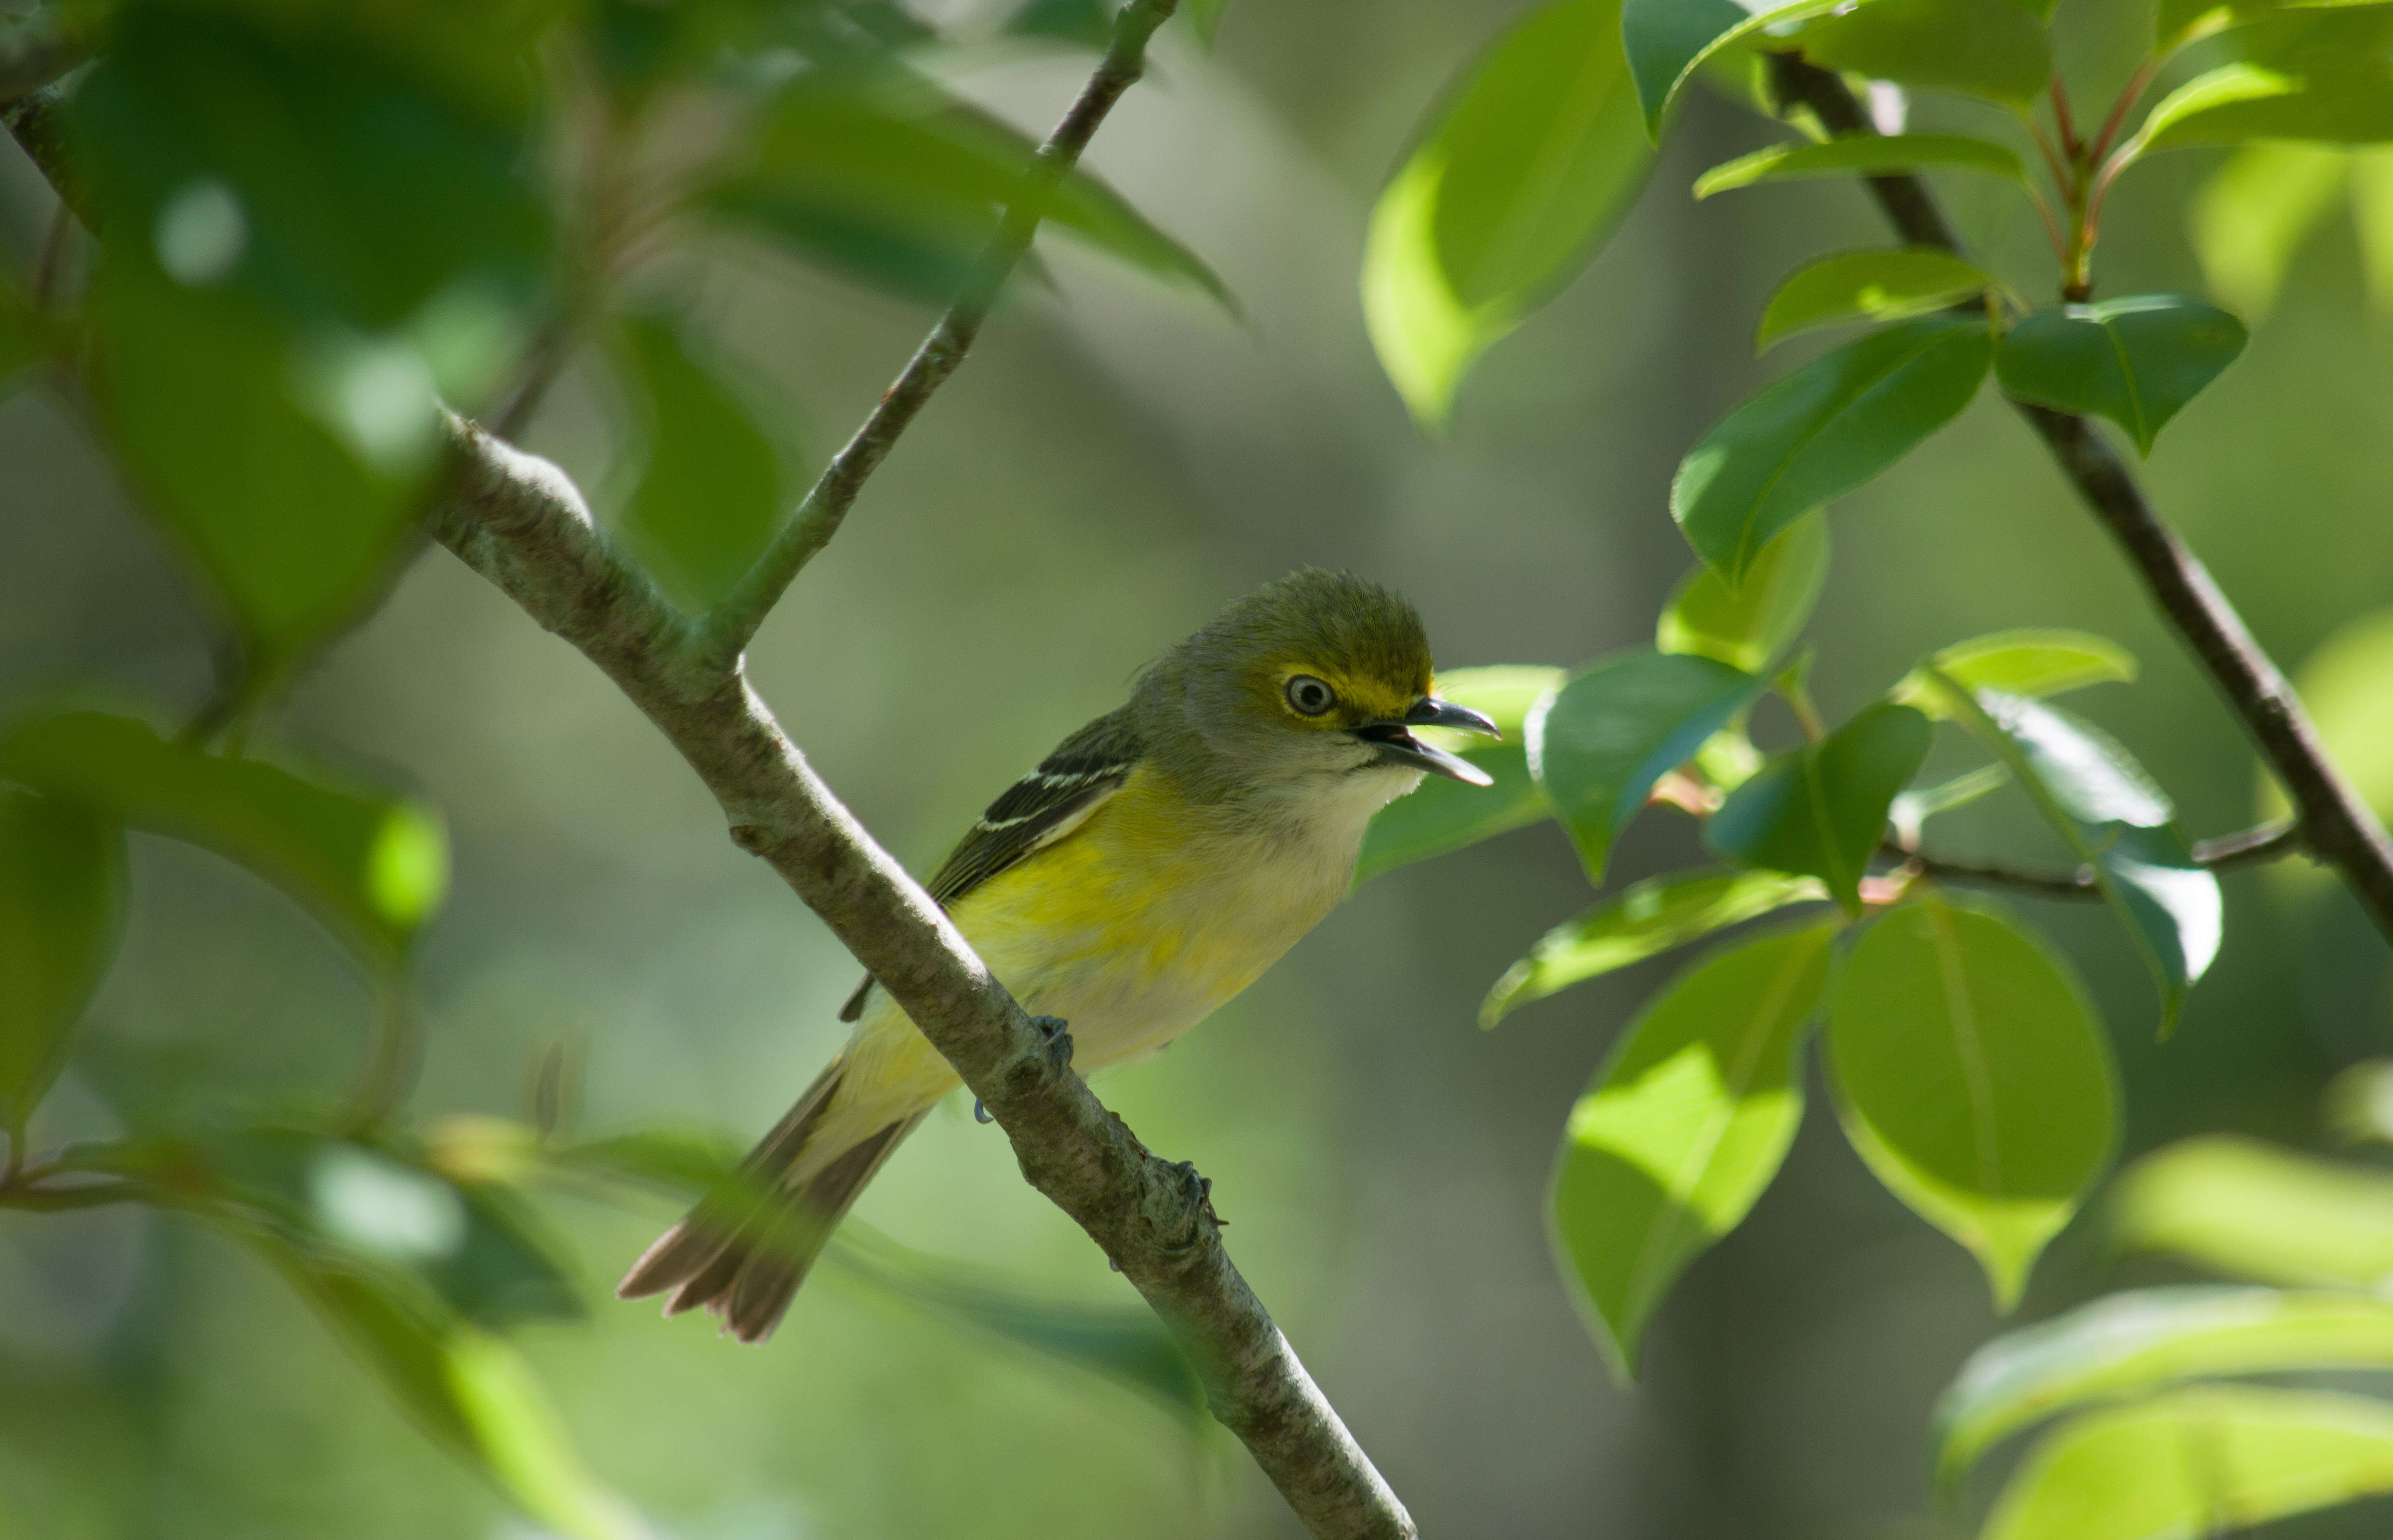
[[743, 1252]]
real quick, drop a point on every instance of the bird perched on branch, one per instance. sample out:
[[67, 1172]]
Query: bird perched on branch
[[1151, 867]]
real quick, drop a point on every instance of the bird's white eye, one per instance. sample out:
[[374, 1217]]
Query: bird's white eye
[[1309, 696]]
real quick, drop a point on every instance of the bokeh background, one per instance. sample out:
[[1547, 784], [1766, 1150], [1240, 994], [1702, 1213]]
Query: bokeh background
[[1116, 459]]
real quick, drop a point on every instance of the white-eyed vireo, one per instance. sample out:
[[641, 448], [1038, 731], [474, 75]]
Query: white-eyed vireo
[[1150, 869]]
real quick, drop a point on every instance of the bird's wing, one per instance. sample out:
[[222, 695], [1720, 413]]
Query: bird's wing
[[1035, 812]]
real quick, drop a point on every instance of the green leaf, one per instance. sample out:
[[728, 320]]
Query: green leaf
[[2202, 1461], [1908, 811], [2251, 1211], [1647, 919], [1870, 285], [1605, 737], [1824, 430], [2320, 73], [1972, 1077], [886, 179], [1206, 16], [1089, 24], [1821, 810], [1749, 625], [1990, 48], [61, 913], [2137, 361], [1440, 815], [2253, 213], [2348, 684], [1505, 200], [2098, 799], [2124, 1344], [711, 492], [2371, 216], [2027, 662], [1129, 1346], [1865, 154], [373, 866], [1683, 1130], [1667, 39]]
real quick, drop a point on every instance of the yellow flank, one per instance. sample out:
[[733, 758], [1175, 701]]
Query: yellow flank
[[1132, 928]]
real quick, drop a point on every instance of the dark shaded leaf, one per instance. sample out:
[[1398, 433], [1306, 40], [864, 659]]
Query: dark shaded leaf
[[2136, 361], [1667, 39], [1821, 810], [61, 912], [1990, 48]]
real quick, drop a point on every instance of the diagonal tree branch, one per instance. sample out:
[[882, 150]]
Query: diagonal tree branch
[[2249, 847], [519, 522], [2335, 824], [728, 627]]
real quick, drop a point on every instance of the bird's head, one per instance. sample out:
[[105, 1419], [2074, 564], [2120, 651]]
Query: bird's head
[[1321, 674]]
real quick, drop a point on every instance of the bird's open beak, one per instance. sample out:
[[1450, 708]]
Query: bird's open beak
[[1398, 745]]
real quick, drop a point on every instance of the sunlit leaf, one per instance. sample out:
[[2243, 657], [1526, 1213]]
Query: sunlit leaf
[[1868, 285], [1864, 154], [2253, 213], [2320, 72], [2254, 1211], [1607, 737], [375, 865], [2199, 1461], [2136, 361], [61, 910], [1441, 814], [1748, 626], [1991, 49], [712, 491], [1972, 1075], [1505, 200], [1666, 39], [1821, 810], [2124, 1344], [1824, 430], [1647, 919], [1683, 1130], [2032, 663]]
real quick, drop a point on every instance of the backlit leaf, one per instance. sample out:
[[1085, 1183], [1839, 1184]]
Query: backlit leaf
[[61, 910], [2253, 213], [373, 864], [2126, 1343], [1870, 285], [1442, 814], [1821, 810], [1683, 1128], [2030, 663], [1748, 626], [1647, 919], [1972, 1075], [2254, 1211], [2197, 1461], [2318, 72], [1864, 154], [1824, 430], [1991, 49], [1505, 200], [2136, 361], [1602, 741]]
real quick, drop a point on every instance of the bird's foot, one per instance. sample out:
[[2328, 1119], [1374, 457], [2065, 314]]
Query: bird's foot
[[980, 1114], [1058, 1034]]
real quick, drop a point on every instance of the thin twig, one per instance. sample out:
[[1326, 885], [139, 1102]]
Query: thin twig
[[729, 626], [2267, 842], [2336, 826]]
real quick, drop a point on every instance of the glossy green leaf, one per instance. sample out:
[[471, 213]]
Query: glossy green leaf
[[1441, 814], [1869, 285], [2317, 73], [1822, 431], [1645, 920], [1683, 1128], [2253, 213], [886, 179], [1863, 154], [1602, 741], [2254, 1211], [2210, 1460], [1667, 39], [712, 491], [1821, 810], [375, 865], [1750, 625], [1990, 48], [1505, 199], [62, 911], [1972, 1075], [2128, 1343], [2136, 361], [2032, 663]]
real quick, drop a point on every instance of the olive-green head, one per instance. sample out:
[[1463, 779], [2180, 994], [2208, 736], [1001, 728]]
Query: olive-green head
[[1319, 674]]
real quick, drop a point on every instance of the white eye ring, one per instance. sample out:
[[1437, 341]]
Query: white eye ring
[[1310, 697]]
